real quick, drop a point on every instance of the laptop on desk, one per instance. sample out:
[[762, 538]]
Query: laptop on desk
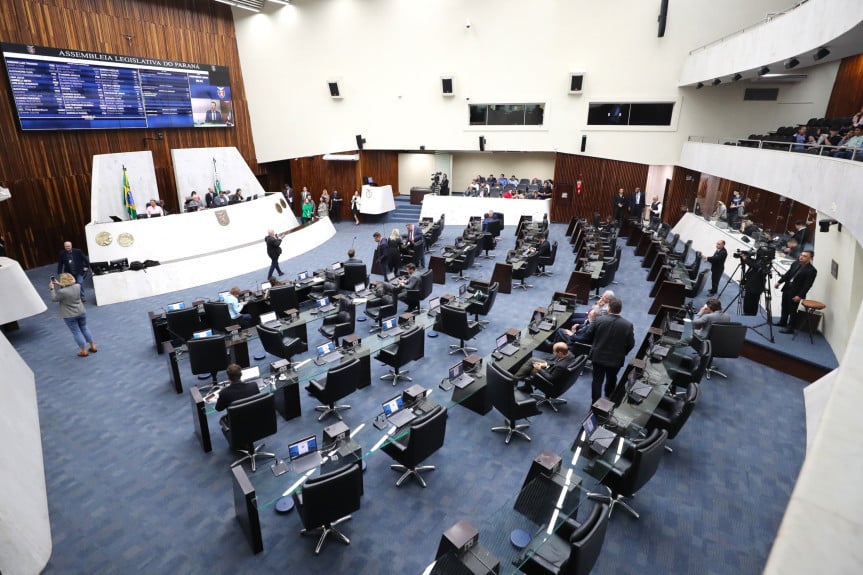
[[361, 291], [305, 278], [327, 353], [250, 373], [202, 333], [176, 306], [434, 307], [458, 377], [323, 305], [598, 437], [504, 346], [269, 320], [304, 454], [395, 412], [390, 327]]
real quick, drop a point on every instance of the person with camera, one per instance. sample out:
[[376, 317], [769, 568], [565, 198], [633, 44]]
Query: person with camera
[[798, 279]]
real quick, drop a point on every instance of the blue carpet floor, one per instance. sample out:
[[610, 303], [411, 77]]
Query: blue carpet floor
[[130, 491]]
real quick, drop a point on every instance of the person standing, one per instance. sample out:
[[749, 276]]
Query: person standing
[[274, 250], [733, 212], [636, 204], [75, 262], [620, 204], [717, 266], [381, 253], [798, 279], [394, 251], [655, 210], [68, 294], [336, 207], [416, 241], [355, 206], [613, 338], [288, 192], [308, 211]]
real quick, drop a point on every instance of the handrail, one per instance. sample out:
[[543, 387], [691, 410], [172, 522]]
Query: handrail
[[856, 153], [770, 16]]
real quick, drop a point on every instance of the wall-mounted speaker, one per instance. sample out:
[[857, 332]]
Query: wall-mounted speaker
[[482, 143], [576, 79], [446, 86], [583, 143], [334, 89], [663, 14], [360, 142]]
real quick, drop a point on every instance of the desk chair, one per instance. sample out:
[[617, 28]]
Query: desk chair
[[414, 297], [673, 411], [479, 308], [695, 266], [182, 323], [283, 298], [247, 421], [208, 355], [727, 341], [218, 316], [340, 324], [625, 476], [552, 390], [340, 382], [510, 402], [327, 500], [693, 370], [548, 260], [410, 347], [573, 549], [525, 271], [426, 436], [276, 344], [695, 290], [606, 277], [488, 243], [453, 322], [354, 273], [378, 310], [461, 263]]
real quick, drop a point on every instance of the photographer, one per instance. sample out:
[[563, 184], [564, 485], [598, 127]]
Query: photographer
[[798, 279]]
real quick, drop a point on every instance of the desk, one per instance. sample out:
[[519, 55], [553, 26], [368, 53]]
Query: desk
[[459, 209], [376, 200]]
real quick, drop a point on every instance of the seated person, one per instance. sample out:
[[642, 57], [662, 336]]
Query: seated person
[[750, 228], [400, 286], [578, 332], [221, 200], [352, 259], [792, 249], [601, 307], [850, 144], [800, 138], [235, 308], [235, 390], [153, 209], [710, 313], [553, 369], [193, 203], [721, 212]]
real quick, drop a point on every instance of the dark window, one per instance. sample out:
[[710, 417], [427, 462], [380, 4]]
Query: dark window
[[608, 114], [651, 114], [761, 94], [634, 114], [478, 114], [506, 114], [533, 114]]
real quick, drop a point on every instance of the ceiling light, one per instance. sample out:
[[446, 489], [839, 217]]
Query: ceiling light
[[763, 70], [737, 77], [699, 85], [716, 82], [791, 63], [820, 53]]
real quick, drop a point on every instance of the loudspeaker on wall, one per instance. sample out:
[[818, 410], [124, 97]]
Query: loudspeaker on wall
[[663, 14], [575, 83], [482, 143], [360, 141], [334, 89], [446, 86], [583, 143]]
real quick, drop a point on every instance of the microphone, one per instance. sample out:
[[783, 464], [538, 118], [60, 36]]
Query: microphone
[[354, 241]]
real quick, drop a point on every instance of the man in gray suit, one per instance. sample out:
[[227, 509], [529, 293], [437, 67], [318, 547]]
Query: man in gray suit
[[710, 313], [613, 338]]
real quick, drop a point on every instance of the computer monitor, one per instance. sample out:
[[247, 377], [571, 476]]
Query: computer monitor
[[590, 424], [434, 303], [302, 447], [456, 371], [268, 317], [202, 333], [389, 323], [302, 275], [361, 286], [250, 373], [322, 302], [392, 405], [265, 286], [325, 348], [462, 289], [687, 331], [336, 266], [223, 294], [537, 316], [176, 306], [501, 341], [119, 264]]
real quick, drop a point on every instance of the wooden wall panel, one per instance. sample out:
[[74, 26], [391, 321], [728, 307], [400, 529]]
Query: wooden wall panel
[[381, 165], [600, 179], [847, 96], [681, 195], [48, 173], [769, 210], [315, 173]]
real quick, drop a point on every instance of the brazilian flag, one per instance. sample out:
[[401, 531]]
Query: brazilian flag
[[128, 200]]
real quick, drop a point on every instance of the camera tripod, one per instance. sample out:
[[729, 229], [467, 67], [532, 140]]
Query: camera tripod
[[766, 269]]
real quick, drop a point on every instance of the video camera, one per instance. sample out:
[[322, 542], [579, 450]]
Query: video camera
[[763, 254]]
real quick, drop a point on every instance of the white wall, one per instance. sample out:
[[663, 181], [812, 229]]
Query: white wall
[[468, 165], [195, 170], [388, 57], [106, 189], [415, 171]]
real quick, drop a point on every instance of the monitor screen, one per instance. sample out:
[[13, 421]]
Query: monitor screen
[[462, 289], [322, 302], [389, 323], [302, 275], [335, 266], [176, 306], [248, 373], [360, 287], [434, 303], [223, 294], [456, 371], [266, 286], [268, 317], [303, 447], [326, 348], [589, 424], [501, 341], [203, 333], [392, 405]]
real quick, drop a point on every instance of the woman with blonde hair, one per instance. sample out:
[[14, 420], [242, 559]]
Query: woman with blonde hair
[[68, 294], [394, 251]]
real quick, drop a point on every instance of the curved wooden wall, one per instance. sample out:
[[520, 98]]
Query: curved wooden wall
[[48, 173]]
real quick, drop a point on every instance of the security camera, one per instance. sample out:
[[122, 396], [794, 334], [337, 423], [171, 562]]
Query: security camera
[[824, 225]]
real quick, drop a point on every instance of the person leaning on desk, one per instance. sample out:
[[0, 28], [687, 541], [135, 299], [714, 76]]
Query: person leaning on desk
[[235, 391], [552, 370], [235, 308]]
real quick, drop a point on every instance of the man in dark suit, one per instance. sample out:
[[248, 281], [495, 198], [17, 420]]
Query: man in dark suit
[[717, 266], [579, 332], [236, 389], [274, 250], [352, 259], [381, 253], [416, 242], [636, 204], [613, 338], [554, 369], [73, 261], [798, 279], [213, 116], [620, 205]]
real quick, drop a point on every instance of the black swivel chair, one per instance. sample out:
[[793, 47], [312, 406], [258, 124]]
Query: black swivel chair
[[673, 411], [461, 263], [454, 322], [327, 500], [354, 273], [276, 344], [283, 298], [525, 271], [483, 307], [495, 226], [414, 297], [340, 382], [182, 323], [247, 421], [631, 471], [208, 355], [692, 370], [341, 323], [488, 243], [695, 266], [410, 347], [573, 549], [695, 289], [606, 277], [426, 436], [510, 402], [378, 310], [552, 390], [218, 316], [727, 341], [545, 261]]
